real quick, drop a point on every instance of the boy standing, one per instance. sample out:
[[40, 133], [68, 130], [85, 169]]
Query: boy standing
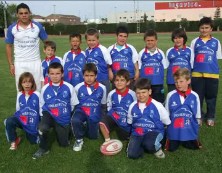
[[118, 102], [74, 61], [57, 101], [99, 55], [152, 63], [179, 56], [147, 118], [25, 35], [92, 103], [183, 105], [124, 56], [205, 74], [49, 50]]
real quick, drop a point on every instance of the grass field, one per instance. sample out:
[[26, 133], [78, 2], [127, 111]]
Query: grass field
[[90, 160]]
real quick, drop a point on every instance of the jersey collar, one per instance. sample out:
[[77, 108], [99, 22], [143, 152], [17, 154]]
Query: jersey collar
[[148, 101], [18, 22], [61, 83], [122, 93], [147, 51], [29, 93], [96, 85], [50, 58], [177, 49], [184, 94], [76, 52]]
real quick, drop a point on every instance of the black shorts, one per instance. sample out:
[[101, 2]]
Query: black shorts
[[111, 125], [172, 145]]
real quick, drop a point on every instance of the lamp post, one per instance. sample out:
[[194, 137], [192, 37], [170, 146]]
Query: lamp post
[[115, 15], [54, 6], [5, 17]]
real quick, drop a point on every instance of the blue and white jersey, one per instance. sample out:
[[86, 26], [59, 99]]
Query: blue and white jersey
[[178, 58], [152, 65], [145, 117], [206, 54], [101, 58], [90, 99], [27, 111], [118, 105], [125, 58], [73, 63], [45, 65], [59, 100], [26, 40], [184, 109]]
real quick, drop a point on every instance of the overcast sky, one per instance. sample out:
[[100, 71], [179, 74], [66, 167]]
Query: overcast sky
[[85, 9]]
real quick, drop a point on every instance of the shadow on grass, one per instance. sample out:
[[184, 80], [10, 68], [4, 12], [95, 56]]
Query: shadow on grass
[[97, 164]]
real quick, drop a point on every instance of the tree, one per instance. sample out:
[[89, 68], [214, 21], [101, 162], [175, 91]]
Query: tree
[[217, 13], [218, 23], [151, 24], [184, 23], [10, 14], [145, 18]]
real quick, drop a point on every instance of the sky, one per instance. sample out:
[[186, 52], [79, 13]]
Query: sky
[[85, 9]]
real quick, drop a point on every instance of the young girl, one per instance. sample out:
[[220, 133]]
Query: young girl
[[179, 56], [26, 116]]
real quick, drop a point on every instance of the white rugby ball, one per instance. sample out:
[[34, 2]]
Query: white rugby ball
[[111, 147]]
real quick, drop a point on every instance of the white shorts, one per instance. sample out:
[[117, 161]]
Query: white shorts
[[33, 67]]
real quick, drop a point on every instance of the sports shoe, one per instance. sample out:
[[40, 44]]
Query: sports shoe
[[160, 154], [15, 144], [210, 123], [40, 153], [78, 145]]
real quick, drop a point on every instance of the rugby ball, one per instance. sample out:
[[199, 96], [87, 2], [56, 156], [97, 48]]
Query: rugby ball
[[111, 147]]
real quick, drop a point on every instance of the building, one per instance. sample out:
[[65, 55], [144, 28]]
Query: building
[[190, 10], [64, 19], [38, 18], [129, 17]]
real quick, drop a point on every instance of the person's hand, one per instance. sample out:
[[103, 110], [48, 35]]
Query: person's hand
[[12, 69]]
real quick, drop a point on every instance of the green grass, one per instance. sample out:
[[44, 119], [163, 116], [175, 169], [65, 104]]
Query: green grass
[[89, 160]]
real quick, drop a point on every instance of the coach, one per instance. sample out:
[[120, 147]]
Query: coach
[[25, 35]]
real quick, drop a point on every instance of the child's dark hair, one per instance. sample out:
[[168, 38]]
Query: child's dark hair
[[123, 73], [150, 33], [51, 44], [143, 83], [77, 35], [56, 65], [92, 31], [122, 29], [206, 21], [26, 75], [182, 72], [179, 32], [90, 67], [22, 5]]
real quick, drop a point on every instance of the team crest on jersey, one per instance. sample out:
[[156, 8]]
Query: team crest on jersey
[[34, 102], [112, 52], [213, 44], [151, 113], [21, 104], [96, 54], [64, 94], [192, 104], [174, 103], [67, 59], [48, 96], [126, 51]]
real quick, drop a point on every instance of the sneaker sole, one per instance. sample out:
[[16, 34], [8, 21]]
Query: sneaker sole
[[34, 158]]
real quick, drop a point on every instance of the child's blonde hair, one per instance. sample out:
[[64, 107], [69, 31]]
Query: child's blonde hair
[[26, 75], [182, 72]]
